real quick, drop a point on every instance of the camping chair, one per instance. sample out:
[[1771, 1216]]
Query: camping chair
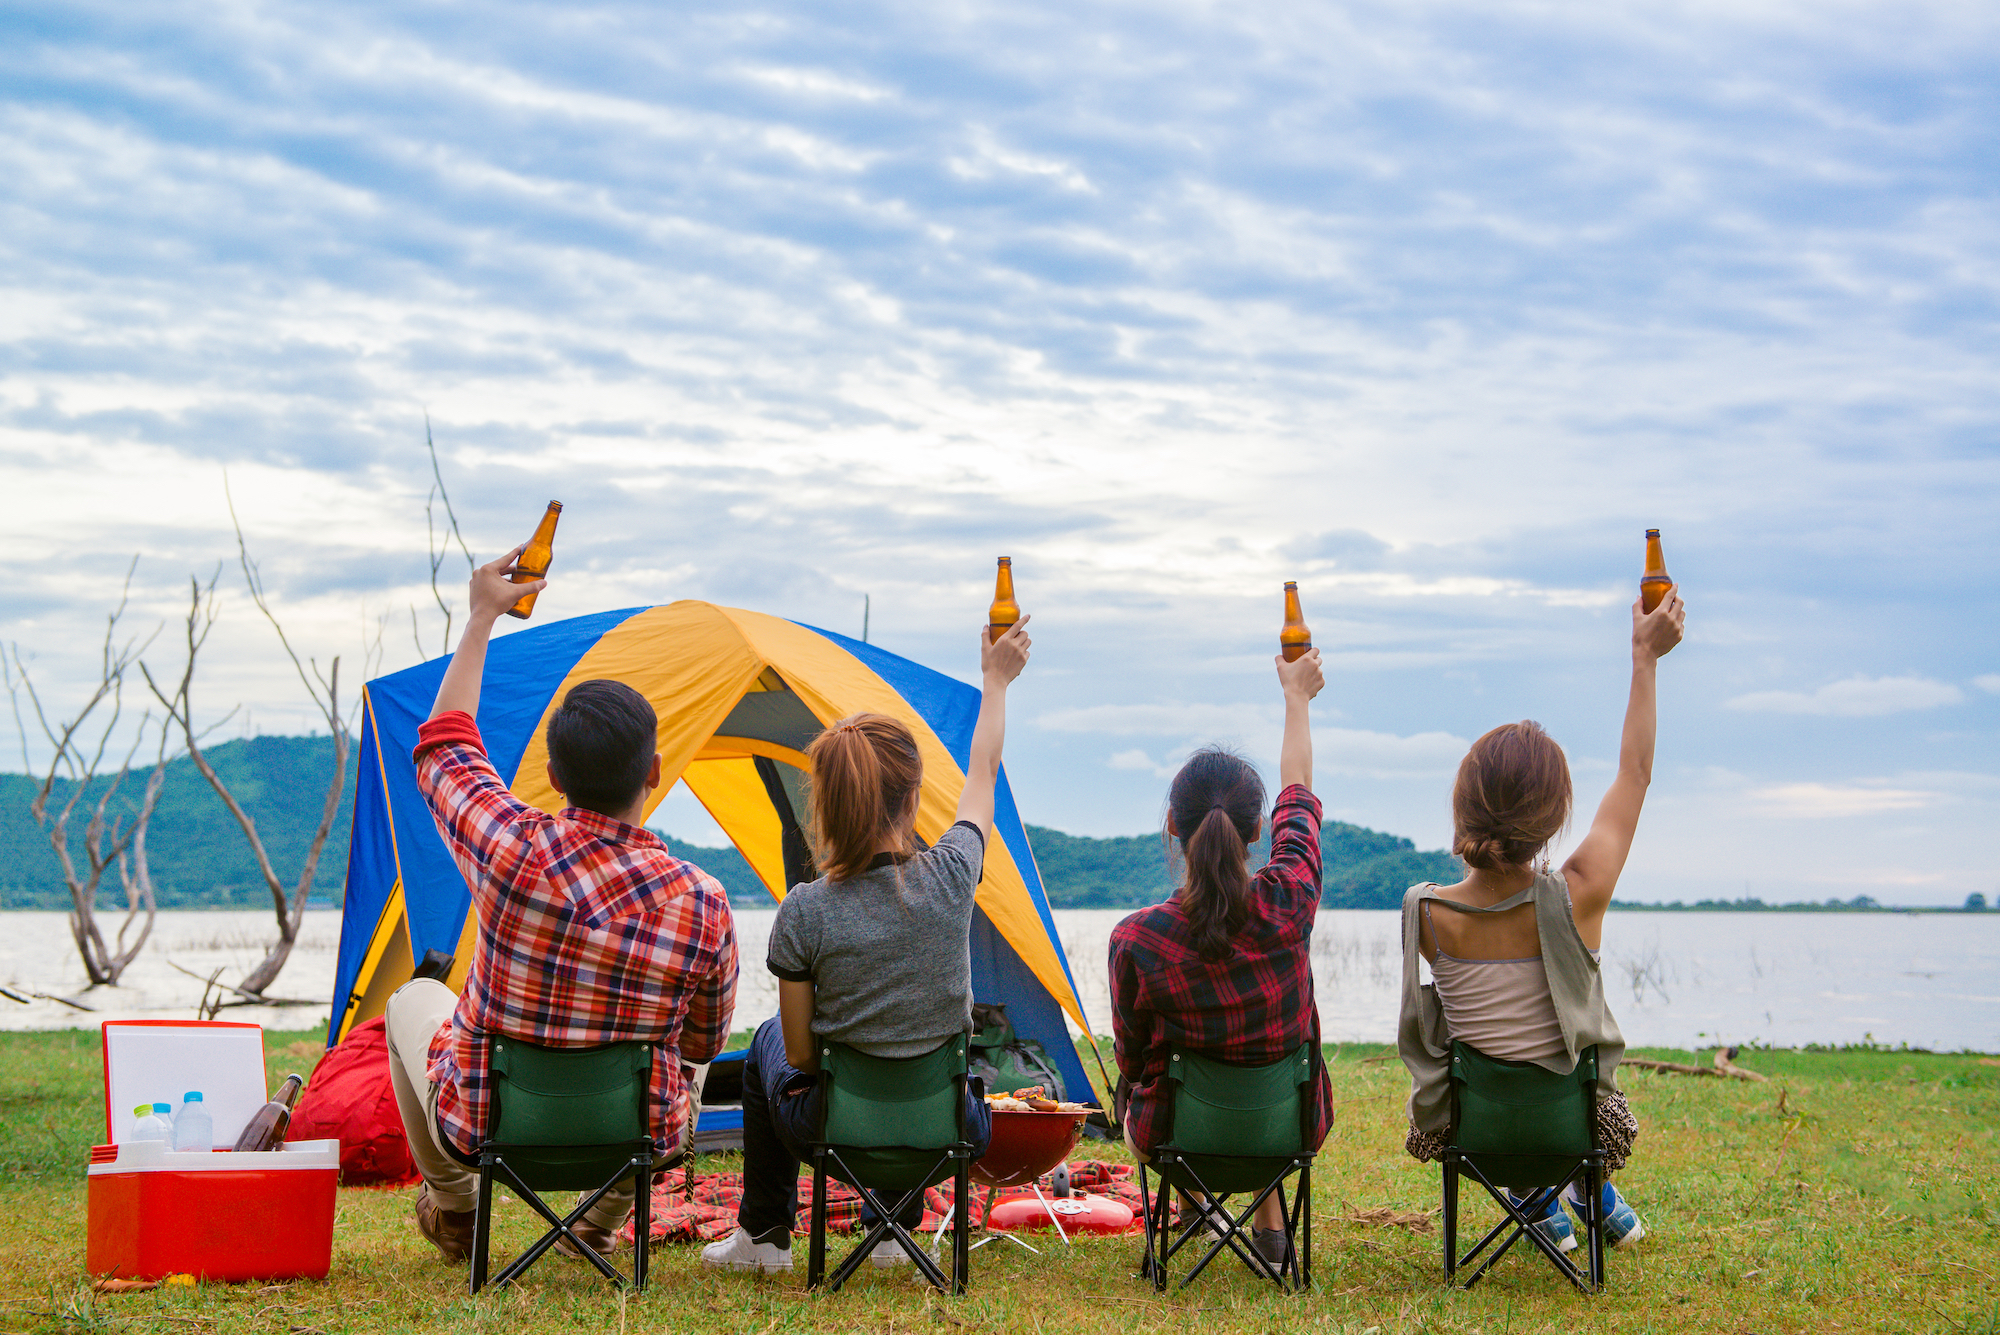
[[1519, 1125], [891, 1126], [566, 1119], [1233, 1130]]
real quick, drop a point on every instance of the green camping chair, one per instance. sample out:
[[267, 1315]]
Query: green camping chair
[[1519, 1125], [891, 1126], [566, 1119], [1233, 1130]]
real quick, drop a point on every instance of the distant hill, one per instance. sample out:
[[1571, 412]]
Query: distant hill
[[199, 858], [198, 855], [1361, 869]]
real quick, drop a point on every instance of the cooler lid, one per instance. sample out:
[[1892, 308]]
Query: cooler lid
[[158, 1061]]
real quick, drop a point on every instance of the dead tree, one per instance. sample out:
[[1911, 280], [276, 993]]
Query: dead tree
[[438, 544], [114, 834], [288, 903]]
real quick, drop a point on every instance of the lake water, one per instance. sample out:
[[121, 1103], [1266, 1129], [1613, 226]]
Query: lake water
[[1674, 979]]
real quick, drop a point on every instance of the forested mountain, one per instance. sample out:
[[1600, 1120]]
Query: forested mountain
[[198, 856], [200, 860]]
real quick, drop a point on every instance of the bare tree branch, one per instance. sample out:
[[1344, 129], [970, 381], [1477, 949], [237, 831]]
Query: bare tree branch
[[288, 903], [78, 750], [438, 549]]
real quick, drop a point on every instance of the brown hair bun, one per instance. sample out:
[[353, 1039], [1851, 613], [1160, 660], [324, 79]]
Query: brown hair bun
[[1512, 797]]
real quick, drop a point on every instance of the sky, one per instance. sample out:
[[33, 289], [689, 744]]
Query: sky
[[1433, 307]]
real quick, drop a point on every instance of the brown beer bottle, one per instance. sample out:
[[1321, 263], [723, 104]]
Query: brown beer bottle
[[534, 560], [1000, 617], [1653, 585], [266, 1128], [1295, 637]]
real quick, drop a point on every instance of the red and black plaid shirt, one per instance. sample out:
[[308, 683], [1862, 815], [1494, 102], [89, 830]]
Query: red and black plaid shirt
[[1252, 1007], [590, 932]]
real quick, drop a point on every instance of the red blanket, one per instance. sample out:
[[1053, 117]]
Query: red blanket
[[708, 1211]]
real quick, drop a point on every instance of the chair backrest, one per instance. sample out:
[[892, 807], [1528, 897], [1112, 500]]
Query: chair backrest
[[878, 1102], [559, 1115], [1522, 1119], [1240, 1112]]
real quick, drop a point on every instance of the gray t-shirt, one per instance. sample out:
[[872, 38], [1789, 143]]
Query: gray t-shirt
[[891, 963]]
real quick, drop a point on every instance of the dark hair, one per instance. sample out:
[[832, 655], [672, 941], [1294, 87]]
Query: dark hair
[[602, 740], [1216, 802], [865, 774], [1511, 798]]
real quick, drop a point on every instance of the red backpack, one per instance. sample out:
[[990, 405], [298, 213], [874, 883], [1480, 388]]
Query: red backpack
[[349, 1099]]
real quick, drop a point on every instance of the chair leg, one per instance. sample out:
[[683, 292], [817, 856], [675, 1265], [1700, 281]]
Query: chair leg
[[816, 1236], [482, 1223], [1593, 1215], [961, 1242], [1302, 1246], [1149, 1259], [1450, 1222], [642, 1223]]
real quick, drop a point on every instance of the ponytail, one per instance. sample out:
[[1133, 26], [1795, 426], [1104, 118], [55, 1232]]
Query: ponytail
[[1216, 802], [864, 778]]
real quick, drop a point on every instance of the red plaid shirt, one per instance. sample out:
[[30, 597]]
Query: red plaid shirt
[[590, 932], [1254, 1006]]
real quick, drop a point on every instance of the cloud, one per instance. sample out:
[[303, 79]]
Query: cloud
[[1988, 681], [1163, 720], [1857, 697], [1359, 752], [1821, 800], [1172, 302]]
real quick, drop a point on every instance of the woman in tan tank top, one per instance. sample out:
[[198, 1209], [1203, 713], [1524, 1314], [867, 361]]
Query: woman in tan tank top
[[1511, 798]]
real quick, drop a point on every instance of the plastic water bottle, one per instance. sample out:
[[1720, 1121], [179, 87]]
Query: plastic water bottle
[[194, 1129], [148, 1126]]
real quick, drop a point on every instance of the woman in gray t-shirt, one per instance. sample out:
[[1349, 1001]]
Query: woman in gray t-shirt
[[874, 954]]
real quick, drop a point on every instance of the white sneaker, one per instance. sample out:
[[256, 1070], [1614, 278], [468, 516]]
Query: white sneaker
[[739, 1251], [888, 1252]]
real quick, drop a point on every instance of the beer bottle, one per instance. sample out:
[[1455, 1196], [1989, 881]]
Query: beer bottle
[[1000, 617], [266, 1128], [1653, 585], [1295, 637], [534, 561]]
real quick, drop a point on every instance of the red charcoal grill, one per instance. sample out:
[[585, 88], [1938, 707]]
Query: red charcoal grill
[[1025, 1145]]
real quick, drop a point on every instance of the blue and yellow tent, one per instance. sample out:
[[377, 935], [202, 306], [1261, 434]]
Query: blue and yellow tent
[[739, 696]]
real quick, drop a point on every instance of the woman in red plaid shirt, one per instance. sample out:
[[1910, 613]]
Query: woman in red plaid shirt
[[1224, 967]]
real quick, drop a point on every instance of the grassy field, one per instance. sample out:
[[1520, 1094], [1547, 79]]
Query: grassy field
[[1856, 1191]]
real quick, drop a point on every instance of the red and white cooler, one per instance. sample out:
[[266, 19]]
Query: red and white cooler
[[216, 1215]]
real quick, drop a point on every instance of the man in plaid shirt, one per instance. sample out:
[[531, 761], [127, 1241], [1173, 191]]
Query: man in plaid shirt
[[589, 931]]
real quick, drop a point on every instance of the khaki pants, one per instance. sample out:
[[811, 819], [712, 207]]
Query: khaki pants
[[412, 1019]]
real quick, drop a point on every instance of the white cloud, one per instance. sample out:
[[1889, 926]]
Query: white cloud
[[1355, 751], [1857, 697], [1163, 720], [1988, 681], [1819, 800]]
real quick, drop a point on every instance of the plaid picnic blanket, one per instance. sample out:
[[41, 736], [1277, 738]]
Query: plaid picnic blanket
[[703, 1209]]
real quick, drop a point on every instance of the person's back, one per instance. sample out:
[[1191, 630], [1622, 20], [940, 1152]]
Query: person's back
[[1224, 968], [1513, 947], [875, 953], [588, 930]]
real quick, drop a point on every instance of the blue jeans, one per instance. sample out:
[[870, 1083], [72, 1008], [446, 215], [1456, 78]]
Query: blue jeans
[[781, 1117]]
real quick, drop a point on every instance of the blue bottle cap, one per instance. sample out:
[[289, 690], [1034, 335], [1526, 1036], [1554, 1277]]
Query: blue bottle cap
[[162, 1108], [192, 1096]]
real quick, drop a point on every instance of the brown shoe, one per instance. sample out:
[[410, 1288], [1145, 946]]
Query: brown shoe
[[450, 1231], [603, 1241]]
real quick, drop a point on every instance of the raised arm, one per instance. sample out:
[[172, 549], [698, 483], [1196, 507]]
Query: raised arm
[[487, 598], [999, 663], [1593, 869], [1300, 681]]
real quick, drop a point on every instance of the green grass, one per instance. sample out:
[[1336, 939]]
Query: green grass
[[1854, 1192]]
